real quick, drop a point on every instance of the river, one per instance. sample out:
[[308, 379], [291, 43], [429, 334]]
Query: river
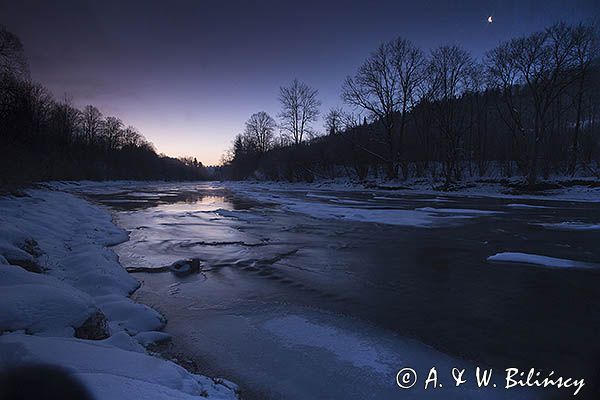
[[314, 293]]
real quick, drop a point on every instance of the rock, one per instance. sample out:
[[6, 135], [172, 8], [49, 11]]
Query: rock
[[28, 265], [185, 267], [24, 255], [94, 328], [179, 268], [151, 270], [31, 246]]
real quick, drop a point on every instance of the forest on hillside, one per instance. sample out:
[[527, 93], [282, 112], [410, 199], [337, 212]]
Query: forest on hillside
[[42, 138], [530, 108]]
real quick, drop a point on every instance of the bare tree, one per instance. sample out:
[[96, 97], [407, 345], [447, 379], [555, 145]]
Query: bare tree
[[260, 129], [503, 75], [91, 121], [409, 64], [585, 50], [375, 89], [384, 86], [65, 121], [113, 128], [542, 66], [334, 121], [351, 120], [449, 71], [12, 56], [131, 137], [543, 61], [478, 121], [300, 107]]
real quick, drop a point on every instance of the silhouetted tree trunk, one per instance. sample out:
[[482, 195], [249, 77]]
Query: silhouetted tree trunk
[[300, 107]]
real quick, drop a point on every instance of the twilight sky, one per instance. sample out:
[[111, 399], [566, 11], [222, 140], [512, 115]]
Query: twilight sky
[[189, 73]]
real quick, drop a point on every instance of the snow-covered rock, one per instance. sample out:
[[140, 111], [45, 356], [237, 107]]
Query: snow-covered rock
[[94, 328], [37, 303], [125, 314]]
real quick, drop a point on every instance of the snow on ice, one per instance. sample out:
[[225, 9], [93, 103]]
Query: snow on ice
[[571, 226], [521, 205], [534, 259]]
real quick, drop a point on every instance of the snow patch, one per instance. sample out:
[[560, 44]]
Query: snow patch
[[521, 205], [460, 211], [381, 216], [534, 259], [321, 196], [110, 372], [125, 314], [360, 352], [571, 226]]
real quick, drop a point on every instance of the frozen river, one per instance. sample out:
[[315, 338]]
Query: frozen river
[[313, 293]]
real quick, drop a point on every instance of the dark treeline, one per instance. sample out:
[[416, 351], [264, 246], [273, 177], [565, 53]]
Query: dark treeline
[[530, 108], [45, 139]]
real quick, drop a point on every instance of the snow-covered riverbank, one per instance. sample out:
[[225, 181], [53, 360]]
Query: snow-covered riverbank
[[65, 301]]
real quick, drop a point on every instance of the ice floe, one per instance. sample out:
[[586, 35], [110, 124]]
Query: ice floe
[[571, 226], [535, 259]]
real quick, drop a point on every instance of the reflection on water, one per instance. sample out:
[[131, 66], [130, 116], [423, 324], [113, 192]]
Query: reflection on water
[[202, 199]]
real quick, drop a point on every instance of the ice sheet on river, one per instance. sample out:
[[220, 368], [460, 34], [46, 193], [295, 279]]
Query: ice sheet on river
[[308, 354], [328, 206]]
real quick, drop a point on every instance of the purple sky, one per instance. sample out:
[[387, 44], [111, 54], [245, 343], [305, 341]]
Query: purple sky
[[189, 73]]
